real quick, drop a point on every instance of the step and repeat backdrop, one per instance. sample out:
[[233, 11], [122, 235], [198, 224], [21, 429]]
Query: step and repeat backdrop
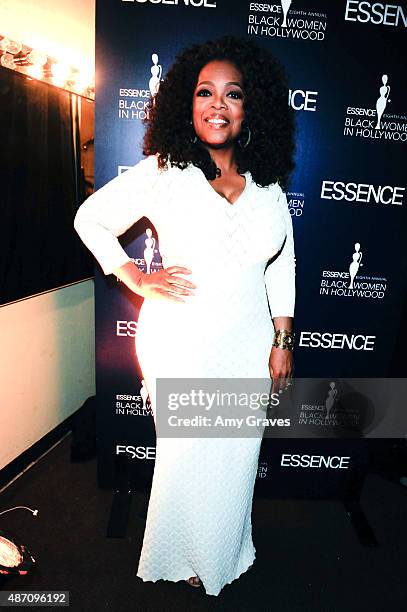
[[347, 198]]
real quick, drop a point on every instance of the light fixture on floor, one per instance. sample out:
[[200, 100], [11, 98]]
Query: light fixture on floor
[[15, 558]]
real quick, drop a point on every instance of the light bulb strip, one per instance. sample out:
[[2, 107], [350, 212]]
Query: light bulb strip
[[40, 66]]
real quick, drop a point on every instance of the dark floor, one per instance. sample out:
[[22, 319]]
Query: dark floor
[[308, 555]]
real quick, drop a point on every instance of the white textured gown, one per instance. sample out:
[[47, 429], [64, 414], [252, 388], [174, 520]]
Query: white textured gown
[[199, 514]]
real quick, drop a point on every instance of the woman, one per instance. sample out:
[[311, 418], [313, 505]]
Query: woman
[[219, 146]]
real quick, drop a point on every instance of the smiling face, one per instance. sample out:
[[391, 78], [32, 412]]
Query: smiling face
[[217, 109]]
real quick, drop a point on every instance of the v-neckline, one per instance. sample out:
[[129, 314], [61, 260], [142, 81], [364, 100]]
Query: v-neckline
[[225, 201]]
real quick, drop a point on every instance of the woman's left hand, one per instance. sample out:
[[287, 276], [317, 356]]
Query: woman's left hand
[[281, 366]]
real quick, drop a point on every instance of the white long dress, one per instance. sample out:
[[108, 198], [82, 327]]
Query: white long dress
[[199, 514]]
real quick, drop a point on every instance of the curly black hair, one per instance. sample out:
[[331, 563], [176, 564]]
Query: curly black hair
[[170, 134]]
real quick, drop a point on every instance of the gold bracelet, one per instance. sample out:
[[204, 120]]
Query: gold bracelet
[[284, 339]]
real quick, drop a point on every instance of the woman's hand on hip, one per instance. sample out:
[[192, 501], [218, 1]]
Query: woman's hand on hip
[[165, 284], [161, 285]]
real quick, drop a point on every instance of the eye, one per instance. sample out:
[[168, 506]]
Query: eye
[[203, 92], [236, 94]]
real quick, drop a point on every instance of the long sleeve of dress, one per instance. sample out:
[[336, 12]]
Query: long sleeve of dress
[[113, 209], [280, 274]]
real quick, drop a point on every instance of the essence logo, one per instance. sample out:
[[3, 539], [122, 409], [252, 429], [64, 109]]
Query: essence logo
[[302, 100], [282, 21], [134, 405], [133, 109], [331, 411], [376, 13], [356, 342], [134, 102], [362, 192], [195, 3], [136, 452], [351, 283], [368, 122], [126, 328], [315, 461]]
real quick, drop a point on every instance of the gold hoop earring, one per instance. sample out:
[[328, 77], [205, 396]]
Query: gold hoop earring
[[249, 135], [193, 139]]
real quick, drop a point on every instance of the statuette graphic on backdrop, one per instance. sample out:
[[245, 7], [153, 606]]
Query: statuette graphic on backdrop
[[382, 100], [156, 72], [356, 262], [149, 249], [330, 399], [285, 5]]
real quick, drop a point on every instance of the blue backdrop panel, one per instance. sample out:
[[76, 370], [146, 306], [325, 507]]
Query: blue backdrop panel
[[346, 196]]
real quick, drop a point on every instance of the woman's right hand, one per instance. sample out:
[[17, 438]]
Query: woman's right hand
[[164, 284]]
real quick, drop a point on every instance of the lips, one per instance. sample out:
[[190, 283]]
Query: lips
[[217, 120]]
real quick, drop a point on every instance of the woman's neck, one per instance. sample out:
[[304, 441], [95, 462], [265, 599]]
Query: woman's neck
[[224, 159]]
